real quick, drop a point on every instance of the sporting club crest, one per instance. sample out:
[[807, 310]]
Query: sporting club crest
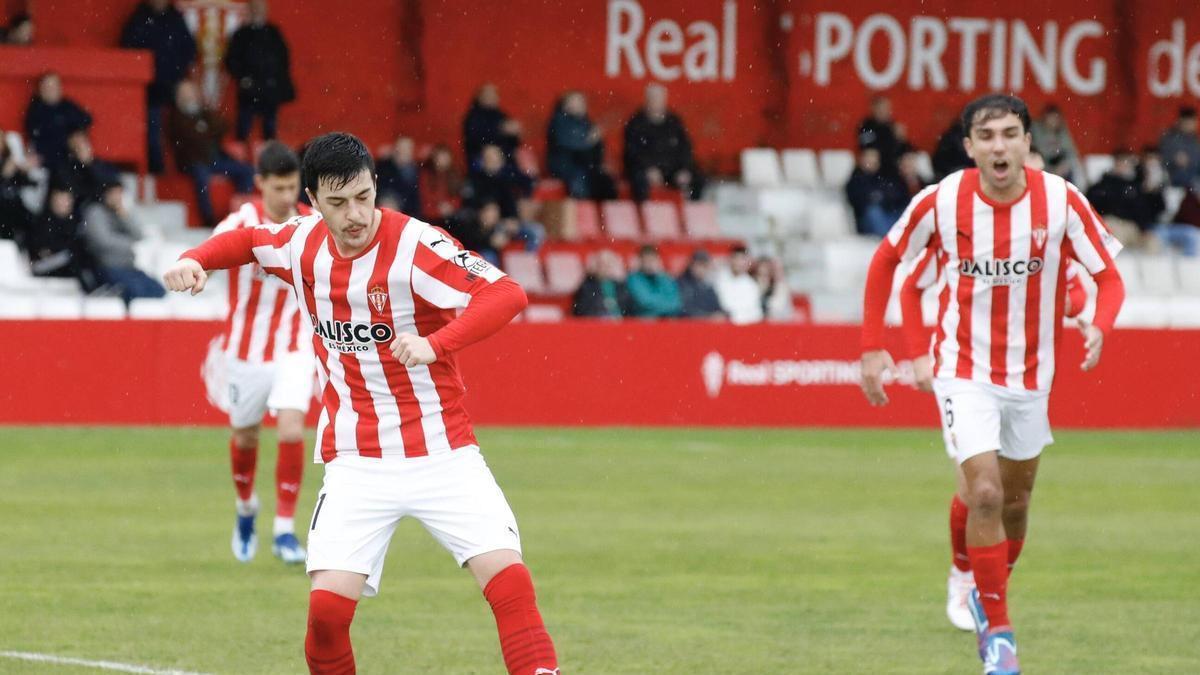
[[1039, 236], [378, 298]]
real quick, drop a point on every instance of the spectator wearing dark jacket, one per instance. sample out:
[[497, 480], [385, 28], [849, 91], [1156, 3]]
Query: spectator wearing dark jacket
[[878, 200], [879, 130], [15, 217], [575, 150], [53, 241], [697, 296], [1180, 147], [258, 62], [950, 155], [481, 230], [156, 25], [399, 178], [486, 124], [109, 233], [496, 181], [658, 150], [654, 293], [1128, 210], [50, 118], [603, 294], [83, 173], [196, 133]]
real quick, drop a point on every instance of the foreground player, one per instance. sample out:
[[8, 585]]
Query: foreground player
[[268, 363], [382, 290], [1004, 233]]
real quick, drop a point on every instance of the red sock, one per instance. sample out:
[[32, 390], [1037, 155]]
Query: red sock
[[990, 564], [243, 461], [289, 468], [524, 641], [1014, 552], [958, 534], [327, 645]]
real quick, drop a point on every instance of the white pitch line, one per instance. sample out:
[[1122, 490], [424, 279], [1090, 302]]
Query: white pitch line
[[103, 665]]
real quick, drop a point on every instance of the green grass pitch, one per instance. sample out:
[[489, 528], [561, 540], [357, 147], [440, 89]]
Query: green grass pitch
[[655, 551]]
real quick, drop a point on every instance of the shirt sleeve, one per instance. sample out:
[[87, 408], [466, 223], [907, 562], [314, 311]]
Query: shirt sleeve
[[923, 276], [1088, 239], [905, 241], [912, 232], [237, 246]]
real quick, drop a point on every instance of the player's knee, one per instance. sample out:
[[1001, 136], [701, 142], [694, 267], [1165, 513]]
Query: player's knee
[[329, 616], [246, 439], [1016, 506], [985, 497]]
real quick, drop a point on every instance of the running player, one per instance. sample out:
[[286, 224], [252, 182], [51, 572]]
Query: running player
[[1003, 233], [267, 363], [382, 291]]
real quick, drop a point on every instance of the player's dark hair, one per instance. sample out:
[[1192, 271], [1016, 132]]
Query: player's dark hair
[[991, 106], [334, 158], [277, 159]]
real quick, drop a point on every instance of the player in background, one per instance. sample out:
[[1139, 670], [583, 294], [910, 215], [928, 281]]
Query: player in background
[[268, 363], [1002, 234], [383, 291]]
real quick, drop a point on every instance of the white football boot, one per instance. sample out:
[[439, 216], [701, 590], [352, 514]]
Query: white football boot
[[958, 591]]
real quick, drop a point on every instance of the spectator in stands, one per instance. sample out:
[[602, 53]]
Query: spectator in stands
[[399, 178], [156, 25], [697, 297], [910, 176], [528, 227], [196, 134], [486, 124], [50, 118], [878, 200], [496, 181], [441, 185], [1183, 230], [737, 289], [658, 150], [773, 289], [575, 150], [15, 218], [879, 131], [1180, 147], [603, 293], [1053, 140], [654, 293], [19, 32], [53, 241], [257, 60], [109, 233], [950, 155], [482, 230], [1128, 210], [83, 173]]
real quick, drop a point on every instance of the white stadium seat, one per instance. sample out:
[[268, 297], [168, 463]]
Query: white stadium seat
[[830, 220], [1095, 166], [1189, 276], [59, 307], [1144, 312], [14, 269], [103, 308], [526, 269], [1131, 273], [149, 308], [800, 168], [760, 167], [785, 208], [1184, 312], [1158, 275], [836, 167], [17, 304], [542, 313]]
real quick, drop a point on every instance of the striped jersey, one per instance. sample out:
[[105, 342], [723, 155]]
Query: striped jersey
[[264, 320], [1005, 265], [413, 278]]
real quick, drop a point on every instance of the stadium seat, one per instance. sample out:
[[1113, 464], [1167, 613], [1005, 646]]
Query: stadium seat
[[103, 308], [845, 262], [145, 256], [1158, 275], [548, 189], [924, 165], [830, 219], [149, 308], [1144, 312], [526, 269], [14, 269], [662, 221], [17, 304], [168, 253], [1095, 166], [59, 307], [621, 220], [700, 220], [1184, 312], [1189, 276], [800, 168], [785, 208], [760, 167], [204, 307], [544, 313], [836, 167], [1131, 273], [587, 219], [564, 272]]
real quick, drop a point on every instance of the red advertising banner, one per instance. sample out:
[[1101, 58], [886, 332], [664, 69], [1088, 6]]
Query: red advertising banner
[[592, 373]]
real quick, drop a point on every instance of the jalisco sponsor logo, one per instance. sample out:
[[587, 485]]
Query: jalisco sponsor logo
[[346, 336], [1000, 272], [718, 373]]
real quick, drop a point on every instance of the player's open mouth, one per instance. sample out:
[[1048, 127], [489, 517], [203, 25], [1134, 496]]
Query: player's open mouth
[[1000, 167]]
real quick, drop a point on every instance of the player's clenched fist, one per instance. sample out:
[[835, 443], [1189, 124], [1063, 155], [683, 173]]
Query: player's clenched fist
[[185, 275], [413, 350]]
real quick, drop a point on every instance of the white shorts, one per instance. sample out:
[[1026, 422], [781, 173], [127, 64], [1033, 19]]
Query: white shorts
[[979, 417], [255, 388], [363, 499]]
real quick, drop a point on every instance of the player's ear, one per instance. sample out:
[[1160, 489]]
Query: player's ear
[[311, 197], [258, 182], [967, 144]]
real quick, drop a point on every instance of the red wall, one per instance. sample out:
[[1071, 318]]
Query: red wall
[[379, 67], [590, 373]]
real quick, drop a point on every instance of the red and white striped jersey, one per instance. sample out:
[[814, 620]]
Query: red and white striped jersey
[[264, 320], [412, 279], [1005, 265]]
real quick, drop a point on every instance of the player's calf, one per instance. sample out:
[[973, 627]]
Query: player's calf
[[327, 645], [526, 645]]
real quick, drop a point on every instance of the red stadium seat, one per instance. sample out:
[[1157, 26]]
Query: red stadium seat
[[587, 219], [564, 272], [178, 187], [700, 219], [549, 189], [621, 220], [662, 221], [526, 269]]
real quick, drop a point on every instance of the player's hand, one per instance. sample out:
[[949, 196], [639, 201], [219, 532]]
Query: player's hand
[[874, 365], [923, 373], [1093, 342], [185, 275], [413, 350]]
